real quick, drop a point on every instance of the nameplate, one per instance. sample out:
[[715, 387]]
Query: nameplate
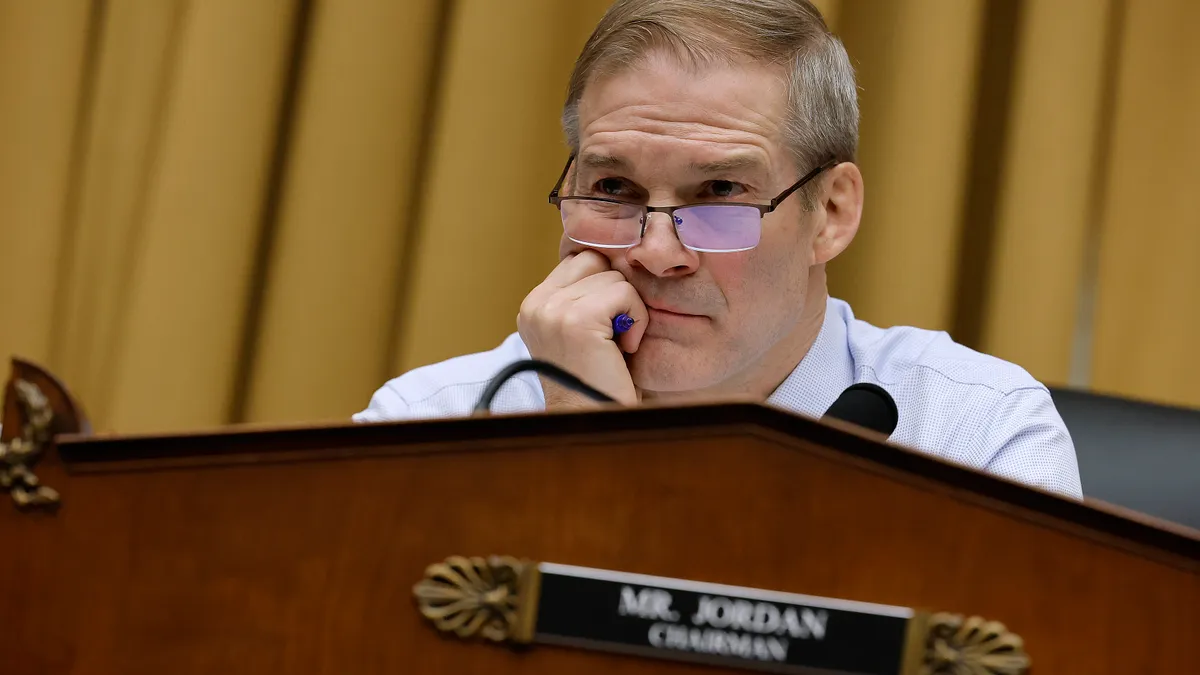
[[508, 600], [728, 625]]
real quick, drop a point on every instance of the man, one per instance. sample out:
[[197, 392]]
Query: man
[[745, 112]]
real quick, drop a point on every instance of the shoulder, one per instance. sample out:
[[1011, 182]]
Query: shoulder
[[932, 358], [450, 388], [966, 406]]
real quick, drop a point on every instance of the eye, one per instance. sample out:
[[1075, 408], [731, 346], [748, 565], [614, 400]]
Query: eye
[[612, 187], [723, 189]]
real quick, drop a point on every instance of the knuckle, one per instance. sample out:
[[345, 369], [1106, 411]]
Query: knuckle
[[535, 297], [526, 308], [535, 315], [530, 307]]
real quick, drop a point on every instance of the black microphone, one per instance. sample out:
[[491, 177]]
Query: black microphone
[[866, 405], [542, 367]]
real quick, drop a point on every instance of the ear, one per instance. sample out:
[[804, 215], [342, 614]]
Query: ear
[[841, 202]]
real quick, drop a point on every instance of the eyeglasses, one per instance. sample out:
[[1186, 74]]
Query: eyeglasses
[[712, 227]]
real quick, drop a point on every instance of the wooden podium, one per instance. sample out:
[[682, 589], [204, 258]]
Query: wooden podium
[[333, 550]]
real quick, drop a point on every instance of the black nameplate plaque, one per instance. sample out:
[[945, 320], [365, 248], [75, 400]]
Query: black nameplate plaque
[[676, 619], [510, 600]]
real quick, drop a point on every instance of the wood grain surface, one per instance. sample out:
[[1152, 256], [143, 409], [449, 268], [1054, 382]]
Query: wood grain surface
[[295, 550]]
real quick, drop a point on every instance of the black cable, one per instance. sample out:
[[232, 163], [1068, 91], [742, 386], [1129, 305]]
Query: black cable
[[542, 368]]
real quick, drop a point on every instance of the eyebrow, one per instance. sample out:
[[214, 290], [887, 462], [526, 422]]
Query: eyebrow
[[594, 161], [723, 165], [728, 164]]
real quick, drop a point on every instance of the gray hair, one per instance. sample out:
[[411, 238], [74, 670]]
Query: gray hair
[[822, 118]]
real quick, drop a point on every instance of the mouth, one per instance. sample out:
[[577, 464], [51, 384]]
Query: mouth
[[664, 307], [660, 312]]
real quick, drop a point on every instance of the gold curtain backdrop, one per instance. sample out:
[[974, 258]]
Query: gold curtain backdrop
[[222, 211]]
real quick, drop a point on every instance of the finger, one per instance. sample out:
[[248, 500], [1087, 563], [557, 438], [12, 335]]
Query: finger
[[592, 303], [630, 340], [548, 298], [619, 298], [588, 304], [575, 267], [568, 271], [592, 284]]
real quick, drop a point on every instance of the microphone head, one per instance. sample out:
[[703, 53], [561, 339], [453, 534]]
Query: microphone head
[[866, 405]]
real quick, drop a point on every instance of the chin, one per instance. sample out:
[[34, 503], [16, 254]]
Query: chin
[[661, 365]]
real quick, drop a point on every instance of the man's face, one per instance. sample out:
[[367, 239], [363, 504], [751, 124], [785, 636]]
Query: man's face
[[664, 134]]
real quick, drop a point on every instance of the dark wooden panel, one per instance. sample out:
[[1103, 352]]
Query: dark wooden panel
[[620, 425], [306, 566]]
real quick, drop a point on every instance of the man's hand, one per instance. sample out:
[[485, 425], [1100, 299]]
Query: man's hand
[[567, 320]]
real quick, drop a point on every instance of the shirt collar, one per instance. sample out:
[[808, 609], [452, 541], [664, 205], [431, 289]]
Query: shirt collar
[[824, 372]]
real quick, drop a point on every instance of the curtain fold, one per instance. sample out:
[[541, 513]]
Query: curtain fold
[[132, 71], [486, 234], [174, 166], [1052, 156], [226, 211], [1147, 321], [179, 353], [353, 175], [916, 63], [42, 75]]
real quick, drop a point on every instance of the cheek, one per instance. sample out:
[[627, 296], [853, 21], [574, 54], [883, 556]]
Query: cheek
[[759, 284], [791, 230], [784, 256], [736, 274]]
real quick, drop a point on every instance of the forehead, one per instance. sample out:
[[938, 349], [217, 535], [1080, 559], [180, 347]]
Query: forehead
[[660, 105]]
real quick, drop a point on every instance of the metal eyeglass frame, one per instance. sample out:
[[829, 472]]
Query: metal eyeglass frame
[[763, 209]]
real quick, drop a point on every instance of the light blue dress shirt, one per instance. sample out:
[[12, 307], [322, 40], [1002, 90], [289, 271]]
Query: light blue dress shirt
[[954, 403]]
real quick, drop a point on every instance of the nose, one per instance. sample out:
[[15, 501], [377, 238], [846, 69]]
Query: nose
[[660, 252]]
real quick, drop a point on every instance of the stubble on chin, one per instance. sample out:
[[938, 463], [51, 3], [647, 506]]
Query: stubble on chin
[[665, 366]]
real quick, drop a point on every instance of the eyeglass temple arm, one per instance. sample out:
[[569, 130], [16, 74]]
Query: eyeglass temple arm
[[828, 164], [561, 178]]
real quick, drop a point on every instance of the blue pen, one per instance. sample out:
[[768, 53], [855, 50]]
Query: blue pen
[[621, 323]]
